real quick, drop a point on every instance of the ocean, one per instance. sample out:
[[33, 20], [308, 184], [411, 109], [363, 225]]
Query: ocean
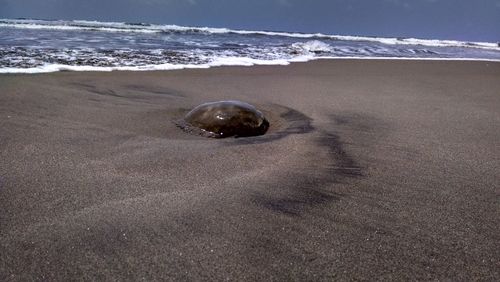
[[32, 46]]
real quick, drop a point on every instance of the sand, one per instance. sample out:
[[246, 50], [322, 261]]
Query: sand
[[371, 170]]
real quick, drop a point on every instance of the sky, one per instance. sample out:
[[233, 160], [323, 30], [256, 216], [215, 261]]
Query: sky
[[472, 20]]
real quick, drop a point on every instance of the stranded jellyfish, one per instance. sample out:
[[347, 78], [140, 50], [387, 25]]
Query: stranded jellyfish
[[225, 119]]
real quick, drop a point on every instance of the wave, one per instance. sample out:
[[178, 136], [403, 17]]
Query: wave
[[83, 25], [313, 46]]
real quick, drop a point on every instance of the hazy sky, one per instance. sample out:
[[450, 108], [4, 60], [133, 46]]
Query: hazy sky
[[477, 20]]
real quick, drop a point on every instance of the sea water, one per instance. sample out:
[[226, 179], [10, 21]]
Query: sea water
[[30, 46]]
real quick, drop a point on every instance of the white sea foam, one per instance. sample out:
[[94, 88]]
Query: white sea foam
[[312, 46], [223, 61]]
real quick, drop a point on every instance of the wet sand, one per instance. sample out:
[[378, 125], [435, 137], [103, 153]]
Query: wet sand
[[385, 170]]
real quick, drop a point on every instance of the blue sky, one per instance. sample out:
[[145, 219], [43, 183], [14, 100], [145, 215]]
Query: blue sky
[[475, 20]]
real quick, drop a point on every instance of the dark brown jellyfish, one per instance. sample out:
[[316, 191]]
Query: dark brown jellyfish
[[224, 119]]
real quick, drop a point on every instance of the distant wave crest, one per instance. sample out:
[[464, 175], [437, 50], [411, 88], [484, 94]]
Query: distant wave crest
[[153, 28]]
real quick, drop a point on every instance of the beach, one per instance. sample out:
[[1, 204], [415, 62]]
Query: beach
[[371, 169]]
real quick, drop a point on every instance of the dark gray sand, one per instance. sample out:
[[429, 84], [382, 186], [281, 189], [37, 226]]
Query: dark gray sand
[[371, 170]]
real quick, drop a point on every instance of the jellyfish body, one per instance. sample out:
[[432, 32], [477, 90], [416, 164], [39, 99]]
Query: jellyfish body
[[226, 118]]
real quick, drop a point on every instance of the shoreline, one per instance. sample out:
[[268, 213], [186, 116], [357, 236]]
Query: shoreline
[[371, 168], [247, 63]]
